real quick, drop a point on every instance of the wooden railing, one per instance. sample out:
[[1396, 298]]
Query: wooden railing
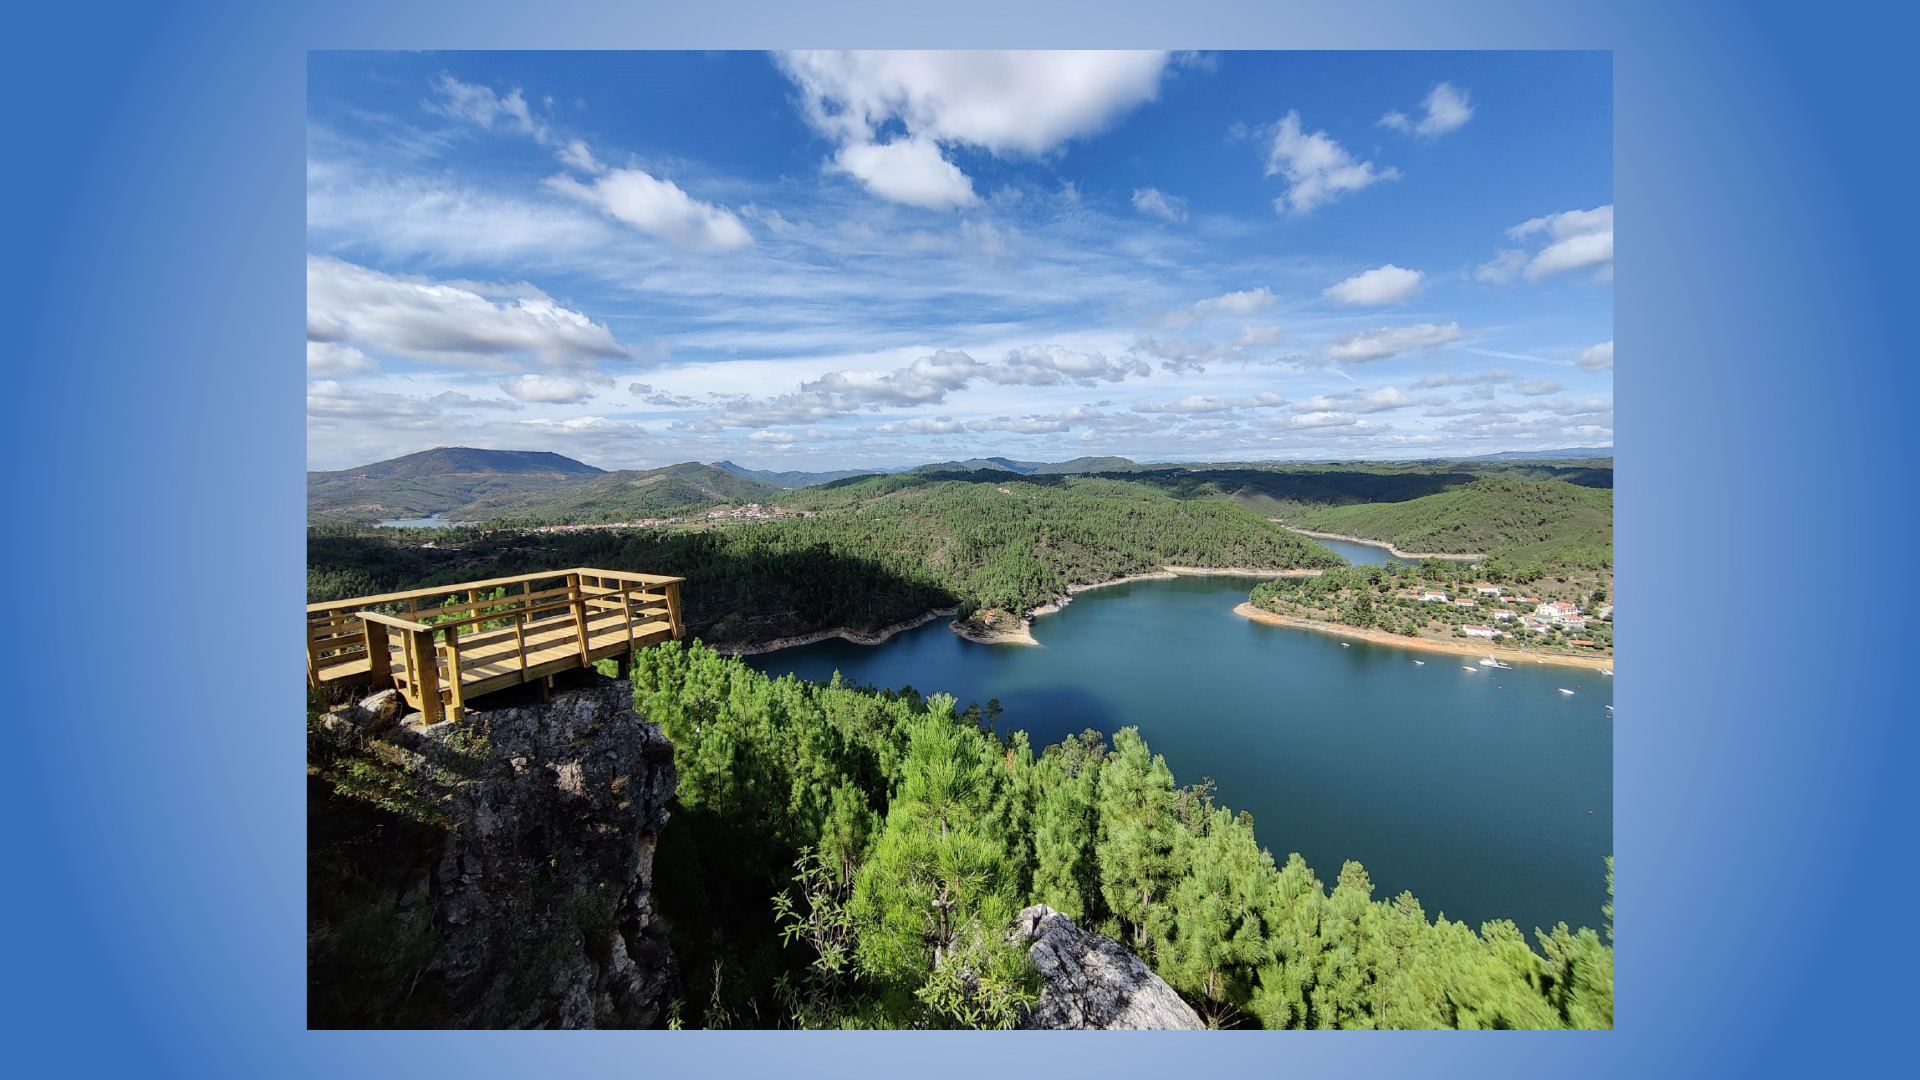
[[442, 646]]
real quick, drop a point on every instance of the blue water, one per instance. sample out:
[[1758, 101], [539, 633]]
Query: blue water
[[1362, 554], [416, 523], [1487, 793]]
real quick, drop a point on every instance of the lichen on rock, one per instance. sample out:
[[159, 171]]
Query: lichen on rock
[[1092, 981]]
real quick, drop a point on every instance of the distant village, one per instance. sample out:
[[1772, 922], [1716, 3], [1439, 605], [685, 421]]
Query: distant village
[[748, 512], [1545, 617]]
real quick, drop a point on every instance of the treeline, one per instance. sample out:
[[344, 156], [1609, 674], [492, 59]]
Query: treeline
[[1548, 521], [854, 858], [890, 551]]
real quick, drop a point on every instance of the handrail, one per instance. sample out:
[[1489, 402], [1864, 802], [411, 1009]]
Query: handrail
[[392, 620], [444, 590]]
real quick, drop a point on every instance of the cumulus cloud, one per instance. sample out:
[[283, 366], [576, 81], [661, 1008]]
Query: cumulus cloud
[[432, 320], [1258, 334], [1446, 108], [1597, 358], [1318, 170], [1001, 102], [1575, 240], [329, 399], [1385, 399], [1239, 304], [1160, 204], [1390, 341], [658, 207], [453, 399], [1539, 387], [332, 358], [926, 381], [1449, 378], [547, 389], [576, 154], [1387, 284]]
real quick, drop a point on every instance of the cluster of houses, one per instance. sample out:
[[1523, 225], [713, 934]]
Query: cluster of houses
[[754, 512], [643, 523], [1551, 615]]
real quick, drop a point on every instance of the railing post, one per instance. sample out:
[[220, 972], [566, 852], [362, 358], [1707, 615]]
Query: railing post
[[673, 610], [578, 596], [457, 698], [520, 640], [426, 674], [379, 661]]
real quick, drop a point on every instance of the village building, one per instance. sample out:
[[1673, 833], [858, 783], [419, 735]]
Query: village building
[[1487, 590], [1433, 596], [1503, 614], [1557, 612], [1466, 603], [1481, 631]]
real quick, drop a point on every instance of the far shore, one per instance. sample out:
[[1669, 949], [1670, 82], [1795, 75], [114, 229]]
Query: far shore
[[857, 637], [1476, 647], [1391, 550]]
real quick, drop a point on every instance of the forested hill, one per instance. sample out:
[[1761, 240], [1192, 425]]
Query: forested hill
[[439, 481], [481, 485], [880, 551], [1520, 520]]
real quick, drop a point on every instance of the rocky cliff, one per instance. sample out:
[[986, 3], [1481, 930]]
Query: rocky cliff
[[491, 873], [1092, 981]]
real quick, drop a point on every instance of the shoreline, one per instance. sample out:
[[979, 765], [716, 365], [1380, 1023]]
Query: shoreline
[[856, 637], [1598, 661], [1391, 550]]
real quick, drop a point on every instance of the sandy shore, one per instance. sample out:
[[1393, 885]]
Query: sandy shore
[[1391, 550], [1474, 647], [858, 637]]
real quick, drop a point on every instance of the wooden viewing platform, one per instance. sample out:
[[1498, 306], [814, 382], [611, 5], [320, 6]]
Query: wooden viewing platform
[[444, 646]]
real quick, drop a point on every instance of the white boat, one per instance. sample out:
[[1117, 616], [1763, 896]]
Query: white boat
[[1344, 645], [1605, 671], [1464, 667], [1566, 691], [1491, 662], [1420, 663]]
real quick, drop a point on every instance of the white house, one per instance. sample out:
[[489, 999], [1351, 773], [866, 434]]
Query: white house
[[1481, 631], [1558, 611], [1487, 590], [1431, 596], [1503, 614], [1466, 603]]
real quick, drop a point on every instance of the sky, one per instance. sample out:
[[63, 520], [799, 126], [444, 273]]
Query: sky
[[849, 260]]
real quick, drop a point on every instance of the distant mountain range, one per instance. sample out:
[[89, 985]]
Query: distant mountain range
[[1573, 453], [467, 484]]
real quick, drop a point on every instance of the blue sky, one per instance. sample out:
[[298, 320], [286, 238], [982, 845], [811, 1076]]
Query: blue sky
[[831, 260]]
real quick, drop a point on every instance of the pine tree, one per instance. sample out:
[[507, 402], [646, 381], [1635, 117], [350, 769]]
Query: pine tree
[[1142, 849]]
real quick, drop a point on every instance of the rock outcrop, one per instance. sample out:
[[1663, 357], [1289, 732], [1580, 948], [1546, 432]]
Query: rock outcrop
[[524, 891], [1092, 981]]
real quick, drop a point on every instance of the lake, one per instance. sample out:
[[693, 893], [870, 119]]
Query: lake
[[1487, 793], [1362, 554], [416, 523]]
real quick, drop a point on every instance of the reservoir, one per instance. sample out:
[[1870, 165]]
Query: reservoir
[[1362, 554], [1487, 793]]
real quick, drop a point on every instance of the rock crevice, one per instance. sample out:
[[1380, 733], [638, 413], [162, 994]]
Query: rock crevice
[[1093, 982]]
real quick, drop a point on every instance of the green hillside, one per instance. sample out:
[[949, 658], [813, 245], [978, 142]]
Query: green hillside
[[637, 493], [1518, 519], [441, 481]]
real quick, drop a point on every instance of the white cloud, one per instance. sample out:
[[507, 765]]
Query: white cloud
[[1387, 284], [1160, 204], [1597, 358], [1576, 240], [1002, 102], [1390, 340], [332, 358], [1207, 403], [1539, 387], [1239, 304], [480, 106], [1384, 399], [576, 154], [547, 389], [1258, 334], [1446, 109], [907, 171], [658, 207], [446, 320], [1448, 378], [1318, 170]]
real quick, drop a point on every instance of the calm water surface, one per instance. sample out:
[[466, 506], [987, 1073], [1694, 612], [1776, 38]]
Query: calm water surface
[[1362, 554], [1486, 793]]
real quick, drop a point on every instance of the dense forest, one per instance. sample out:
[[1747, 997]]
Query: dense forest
[[1550, 520], [845, 857], [894, 548]]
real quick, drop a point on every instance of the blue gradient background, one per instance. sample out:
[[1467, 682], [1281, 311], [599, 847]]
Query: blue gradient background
[[153, 307]]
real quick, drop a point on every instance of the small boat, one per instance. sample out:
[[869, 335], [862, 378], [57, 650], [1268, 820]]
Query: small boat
[[1492, 663], [1345, 645], [1566, 691], [1420, 663], [1605, 671], [1464, 667]]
